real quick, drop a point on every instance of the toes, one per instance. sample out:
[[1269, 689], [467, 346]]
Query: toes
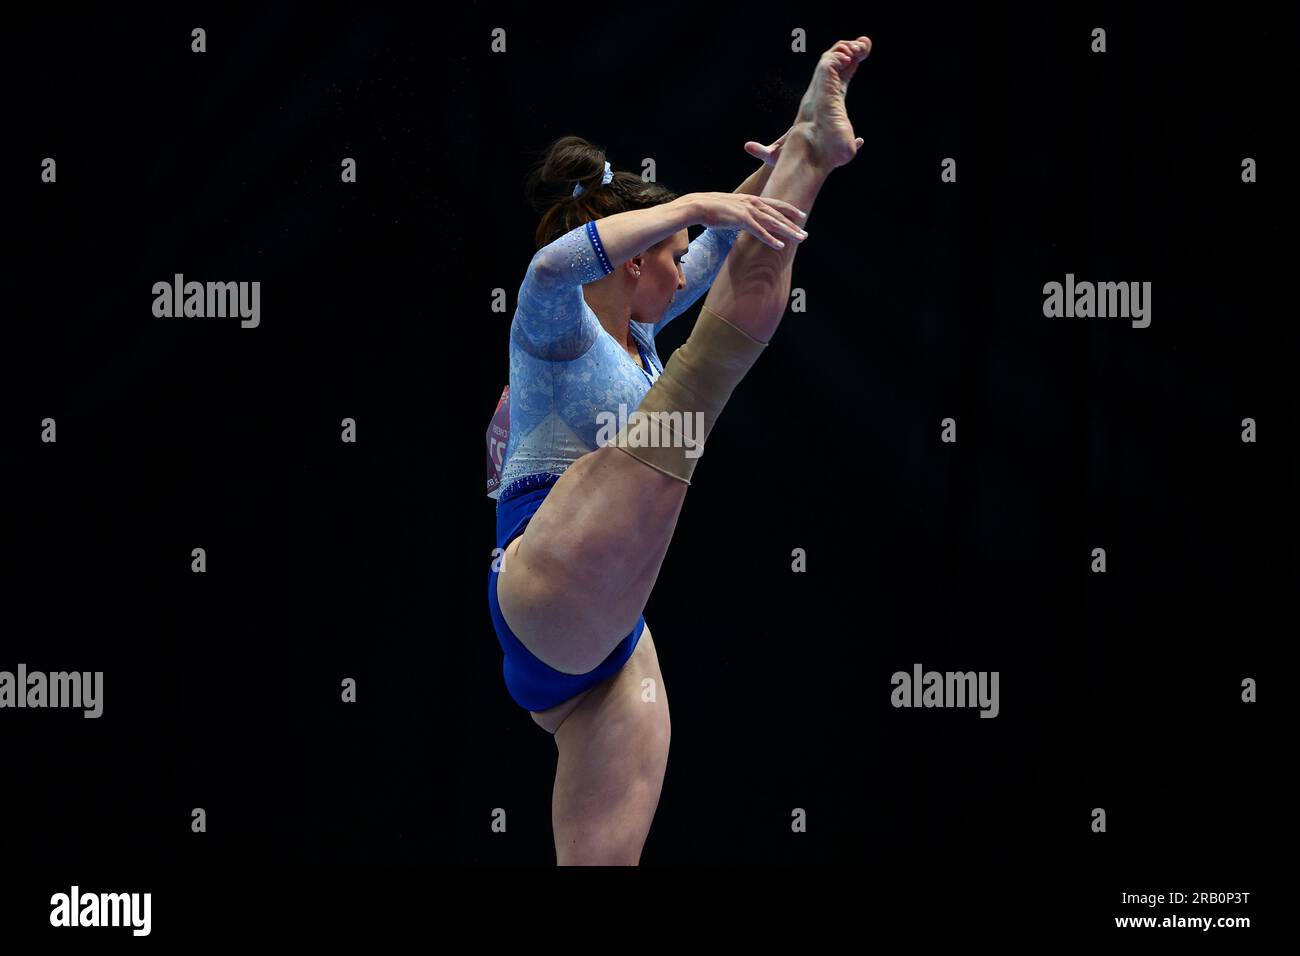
[[853, 50]]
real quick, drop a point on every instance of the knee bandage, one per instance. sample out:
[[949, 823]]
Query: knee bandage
[[668, 429]]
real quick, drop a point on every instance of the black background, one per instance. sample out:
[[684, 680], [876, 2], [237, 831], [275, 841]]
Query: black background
[[368, 560]]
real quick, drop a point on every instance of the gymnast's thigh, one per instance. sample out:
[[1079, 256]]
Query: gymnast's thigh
[[623, 722]]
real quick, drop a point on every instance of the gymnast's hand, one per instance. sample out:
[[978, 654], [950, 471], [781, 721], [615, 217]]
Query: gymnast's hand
[[754, 214], [770, 153]]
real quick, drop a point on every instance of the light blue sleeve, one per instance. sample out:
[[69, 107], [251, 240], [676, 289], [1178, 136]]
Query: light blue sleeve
[[552, 321], [703, 260]]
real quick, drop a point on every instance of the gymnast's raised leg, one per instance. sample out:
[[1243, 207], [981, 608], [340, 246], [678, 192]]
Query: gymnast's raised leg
[[576, 581], [574, 584]]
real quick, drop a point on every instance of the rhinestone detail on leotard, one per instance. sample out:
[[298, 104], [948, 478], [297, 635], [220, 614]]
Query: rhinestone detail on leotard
[[586, 259]]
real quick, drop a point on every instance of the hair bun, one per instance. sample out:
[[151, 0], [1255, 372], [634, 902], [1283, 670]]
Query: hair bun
[[567, 162]]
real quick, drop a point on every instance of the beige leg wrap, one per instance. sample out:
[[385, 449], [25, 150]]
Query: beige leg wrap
[[668, 429]]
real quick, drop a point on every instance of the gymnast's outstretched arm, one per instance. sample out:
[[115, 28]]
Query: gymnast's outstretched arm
[[552, 322]]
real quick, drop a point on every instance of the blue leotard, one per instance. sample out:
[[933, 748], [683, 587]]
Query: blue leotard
[[565, 370]]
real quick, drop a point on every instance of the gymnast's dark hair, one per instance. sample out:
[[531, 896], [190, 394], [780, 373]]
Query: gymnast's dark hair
[[572, 160]]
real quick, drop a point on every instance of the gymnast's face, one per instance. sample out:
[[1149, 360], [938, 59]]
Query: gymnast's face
[[661, 277]]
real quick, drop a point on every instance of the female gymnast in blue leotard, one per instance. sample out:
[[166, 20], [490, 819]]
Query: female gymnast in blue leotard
[[583, 524]]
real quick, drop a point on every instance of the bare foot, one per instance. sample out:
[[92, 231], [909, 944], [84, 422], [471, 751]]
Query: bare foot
[[822, 110]]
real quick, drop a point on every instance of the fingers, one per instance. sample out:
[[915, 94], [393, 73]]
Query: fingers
[[783, 226], [766, 219], [762, 235], [767, 154], [785, 207], [768, 215]]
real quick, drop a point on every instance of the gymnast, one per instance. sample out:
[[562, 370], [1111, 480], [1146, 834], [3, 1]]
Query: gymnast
[[582, 529]]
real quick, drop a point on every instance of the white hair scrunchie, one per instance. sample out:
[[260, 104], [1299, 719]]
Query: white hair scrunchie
[[609, 174]]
